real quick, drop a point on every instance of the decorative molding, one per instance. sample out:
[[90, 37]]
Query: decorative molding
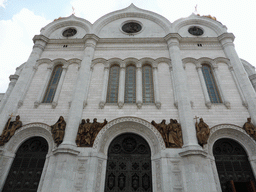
[[126, 124], [80, 175], [176, 175], [120, 105], [158, 105], [158, 175], [233, 132], [102, 105], [139, 105], [99, 174]]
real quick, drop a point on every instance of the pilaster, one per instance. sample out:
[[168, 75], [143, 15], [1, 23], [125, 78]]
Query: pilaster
[[121, 87], [19, 90], [226, 41]]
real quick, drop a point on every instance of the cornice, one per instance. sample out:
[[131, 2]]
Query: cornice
[[40, 37], [132, 40], [173, 36], [226, 36]]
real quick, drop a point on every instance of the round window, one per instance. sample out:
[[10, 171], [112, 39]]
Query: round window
[[131, 27], [69, 32], [195, 31]]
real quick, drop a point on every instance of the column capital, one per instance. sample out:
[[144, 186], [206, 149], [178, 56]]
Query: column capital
[[91, 40], [13, 77], [172, 36], [226, 36], [40, 38]]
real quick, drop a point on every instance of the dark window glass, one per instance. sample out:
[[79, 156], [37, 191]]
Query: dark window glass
[[147, 84], [53, 84], [113, 84], [27, 167], [130, 84], [210, 84]]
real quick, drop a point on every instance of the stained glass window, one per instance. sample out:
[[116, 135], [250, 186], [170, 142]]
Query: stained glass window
[[147, 84], [113, 84], [53, 84], [130, 84], [210, 84]]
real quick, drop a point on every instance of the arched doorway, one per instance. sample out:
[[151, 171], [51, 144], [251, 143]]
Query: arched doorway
[[27, 167], [129, 165], [234, 169]]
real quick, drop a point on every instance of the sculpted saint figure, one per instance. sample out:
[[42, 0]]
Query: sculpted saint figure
[[250, 128], [9, 129], [202, 132], [83, 138], [58, 130], [171, 133], [95, 128], [176, 133]]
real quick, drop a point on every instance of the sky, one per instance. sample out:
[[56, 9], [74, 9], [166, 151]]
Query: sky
[[20, 20]]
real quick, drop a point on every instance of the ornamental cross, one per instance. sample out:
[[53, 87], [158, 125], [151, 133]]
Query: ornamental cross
[[196, 118], [73, 12]]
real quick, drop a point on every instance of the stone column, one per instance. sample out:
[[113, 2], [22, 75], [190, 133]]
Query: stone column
[[208, 102], [226, 41], [121, 87], [156, 88], [18, 91], [80, 91], [105, 88], [57, 93], [139, 87], [197, 169], [180, 86], [13, 79]]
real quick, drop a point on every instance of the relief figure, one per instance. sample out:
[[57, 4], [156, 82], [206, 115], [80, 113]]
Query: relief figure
[[250, 128], [9, 129], [58, 130], [202, 132]]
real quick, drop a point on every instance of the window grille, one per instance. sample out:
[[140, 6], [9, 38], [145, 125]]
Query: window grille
[[130, 84], [113, 84], [211, 84], [147, 84], [53, 84]]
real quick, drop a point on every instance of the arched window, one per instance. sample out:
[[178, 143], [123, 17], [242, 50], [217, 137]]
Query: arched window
[[130, 84], [147, 84], [211, 84], [53, 84], [113, 84], [27, 167]]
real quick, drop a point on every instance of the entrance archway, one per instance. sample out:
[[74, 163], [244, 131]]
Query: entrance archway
[[128, 165], [234, 170], [27, 167]]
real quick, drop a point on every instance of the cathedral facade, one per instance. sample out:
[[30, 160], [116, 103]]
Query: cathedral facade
[[130, 103]]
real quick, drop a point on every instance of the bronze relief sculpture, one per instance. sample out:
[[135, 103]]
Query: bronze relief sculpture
[[58, 130], [250, 128], [9, 129], [87, 132], [202, 132], [171, 133]]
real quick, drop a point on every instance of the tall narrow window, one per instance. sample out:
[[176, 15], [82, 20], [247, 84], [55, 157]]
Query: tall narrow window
[[130, 84], [210, 84], [113, 83], [147, 84], [53, 84]]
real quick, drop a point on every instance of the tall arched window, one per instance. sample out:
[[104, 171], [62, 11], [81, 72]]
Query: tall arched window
[[53, 84], [211, 84], [113, 84], [27, 166], [130, 84], [147, 84]]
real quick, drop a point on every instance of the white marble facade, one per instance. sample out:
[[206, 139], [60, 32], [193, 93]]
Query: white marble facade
[[176, 57]]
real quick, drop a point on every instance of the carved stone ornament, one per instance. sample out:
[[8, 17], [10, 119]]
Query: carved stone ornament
[[202, 132], [87, 132], [9, 129], [69, 32], [195, 31], [131, 27], [250, 128], [171, 133], [58, 130]]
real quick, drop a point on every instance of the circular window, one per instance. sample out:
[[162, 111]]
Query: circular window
[[131, 27], [195, 31], [69, 32]]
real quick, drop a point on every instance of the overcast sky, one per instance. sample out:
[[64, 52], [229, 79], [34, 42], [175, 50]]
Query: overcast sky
[[20, 20]]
